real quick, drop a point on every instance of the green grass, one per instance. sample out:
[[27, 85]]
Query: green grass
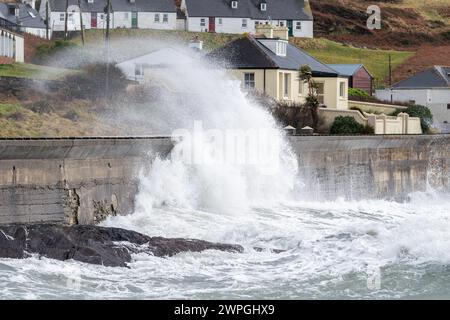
[[8, 108], [33, 71], [376, 61]]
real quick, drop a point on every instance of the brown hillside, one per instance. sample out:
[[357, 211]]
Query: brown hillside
[[404, 23]]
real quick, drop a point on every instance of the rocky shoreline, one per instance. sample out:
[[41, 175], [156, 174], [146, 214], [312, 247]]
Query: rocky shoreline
[[93, 244]]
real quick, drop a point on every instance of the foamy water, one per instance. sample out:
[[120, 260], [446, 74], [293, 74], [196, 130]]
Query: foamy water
[[331, 249]]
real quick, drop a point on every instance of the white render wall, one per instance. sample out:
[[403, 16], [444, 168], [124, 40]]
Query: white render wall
[[146, 20], [39, 32], [435, 99], [234, 25], [12, 46]]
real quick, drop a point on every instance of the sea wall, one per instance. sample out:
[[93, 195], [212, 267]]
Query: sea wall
[[367, 167], [73, 180]]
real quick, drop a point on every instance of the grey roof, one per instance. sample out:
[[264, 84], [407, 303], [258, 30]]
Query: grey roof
[[435, 77], [117, 5], [248, 52], [28, 17], [348, 69], [276, 9]]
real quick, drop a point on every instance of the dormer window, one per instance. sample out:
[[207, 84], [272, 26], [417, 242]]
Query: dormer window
[[234, 4], [263, 6], [90, 1]]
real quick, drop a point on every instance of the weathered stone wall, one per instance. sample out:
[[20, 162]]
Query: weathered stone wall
[[72, 180], [365, 167], [84, 180]]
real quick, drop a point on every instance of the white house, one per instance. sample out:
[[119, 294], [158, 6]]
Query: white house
[[430, 88], [22, 17], [138, 14], [242, 16]]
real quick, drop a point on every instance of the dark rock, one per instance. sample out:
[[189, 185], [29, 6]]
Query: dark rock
[[93, 244]]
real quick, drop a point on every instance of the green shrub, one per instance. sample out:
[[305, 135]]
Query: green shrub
[[422, 112], [352, 92], [348, 125]]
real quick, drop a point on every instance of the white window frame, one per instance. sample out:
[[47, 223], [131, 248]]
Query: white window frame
[[320, 96], [202, 22], [342, 89], [234, 4], [298, 25], [244, 23], [286, 85], [301, 86], [157, 18], [165, 18], [62, 17], [125, 15], [263, 6], [219, 21], [249, 81]]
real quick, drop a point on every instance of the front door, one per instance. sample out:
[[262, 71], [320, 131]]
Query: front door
[[93, 19], [291, 28], [212, 24], [134, 20]]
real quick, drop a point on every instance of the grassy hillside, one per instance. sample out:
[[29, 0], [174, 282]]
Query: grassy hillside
[[377, 61], [26, 70]]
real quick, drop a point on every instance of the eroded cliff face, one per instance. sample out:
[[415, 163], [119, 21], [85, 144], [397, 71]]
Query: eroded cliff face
[[83, 181]]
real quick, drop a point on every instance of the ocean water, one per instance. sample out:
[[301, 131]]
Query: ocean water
[[352, 250]]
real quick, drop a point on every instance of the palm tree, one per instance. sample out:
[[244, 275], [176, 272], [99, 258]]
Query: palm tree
[[312, 101]]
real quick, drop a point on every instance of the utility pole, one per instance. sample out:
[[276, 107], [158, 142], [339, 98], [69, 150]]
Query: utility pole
[[66, 17], [81, 22], [46, 20], [108, 16], [390, 77]]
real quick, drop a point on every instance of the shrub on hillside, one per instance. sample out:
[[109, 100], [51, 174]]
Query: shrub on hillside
[[348, 125], [99, 80], [41, 106], [422, 112]]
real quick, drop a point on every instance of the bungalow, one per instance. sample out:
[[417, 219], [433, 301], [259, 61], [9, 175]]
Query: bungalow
[[242, 16], [137, 14], [358, 76], [269, 63], [22, 17], [430, 88]]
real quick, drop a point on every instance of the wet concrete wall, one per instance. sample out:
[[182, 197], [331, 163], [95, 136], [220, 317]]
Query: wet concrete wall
[[368, 167], [84, 180], [72, 180]]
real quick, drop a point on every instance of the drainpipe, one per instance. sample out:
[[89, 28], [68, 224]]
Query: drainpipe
[[264, 81]]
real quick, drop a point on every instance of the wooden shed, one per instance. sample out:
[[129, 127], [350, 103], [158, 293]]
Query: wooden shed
[[358, 76]]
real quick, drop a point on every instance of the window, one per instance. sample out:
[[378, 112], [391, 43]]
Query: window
[[71, 18], [219, 21], [202, 22], [125, 15], [342, 89], [249, 81], [102, 16], [234, 4], [62, 17], [320, 91], [263, 6], [448, 106], [138, 70], [300, 87], [244, 23], [286, 85], [298, 25], [156, 17], [165, 17]]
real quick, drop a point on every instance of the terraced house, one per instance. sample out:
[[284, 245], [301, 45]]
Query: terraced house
[[139, 14], [242, 16]]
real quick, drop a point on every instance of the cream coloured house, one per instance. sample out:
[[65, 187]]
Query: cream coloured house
[[269, 64]]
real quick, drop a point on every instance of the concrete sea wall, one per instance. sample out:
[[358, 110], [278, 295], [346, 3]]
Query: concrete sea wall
[[83, 180], [72, 180], [367, 167]]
